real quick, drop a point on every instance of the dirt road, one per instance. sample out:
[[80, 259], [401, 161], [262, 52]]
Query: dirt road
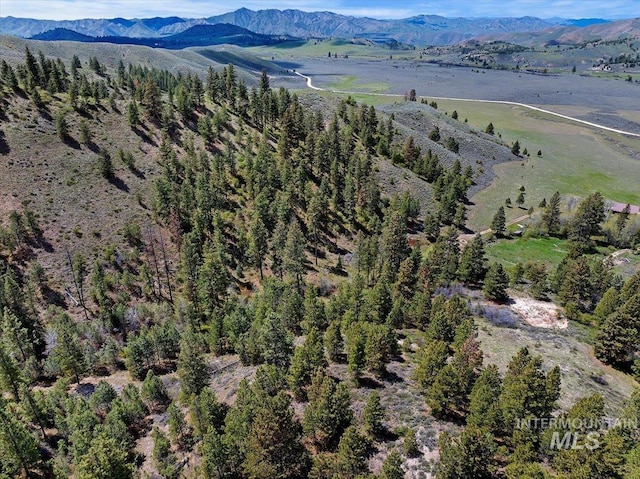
[[502, 102]]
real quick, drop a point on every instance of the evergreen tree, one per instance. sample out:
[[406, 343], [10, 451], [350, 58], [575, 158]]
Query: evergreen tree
[[206, 412], [496, 283], [105, 164], [467, 455], [307, 360], [587, 220], [276, 341], [393, 242], [353, 452], [294, 252], [432, 357], [328, 413], [154, 393], [392, 467], [133, 114], [62, 126], [498, 224], [484, 411], [333, 341], [551, 214], [68, 353], [274, 447], [104, 460], [374, 415], [472, 268], [18, 447], [214, 454], [258, 243], [193, 370], [445, 256]]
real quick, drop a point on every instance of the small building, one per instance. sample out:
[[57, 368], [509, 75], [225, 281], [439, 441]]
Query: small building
[[619, 208]]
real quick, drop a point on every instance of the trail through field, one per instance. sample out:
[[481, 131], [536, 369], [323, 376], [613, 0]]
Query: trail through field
[[502, 102], [464, 238]]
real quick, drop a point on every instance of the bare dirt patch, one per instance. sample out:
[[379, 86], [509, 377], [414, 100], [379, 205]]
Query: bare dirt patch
[[540, 314]]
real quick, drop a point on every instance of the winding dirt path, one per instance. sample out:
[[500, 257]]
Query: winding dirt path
[[501, 102]]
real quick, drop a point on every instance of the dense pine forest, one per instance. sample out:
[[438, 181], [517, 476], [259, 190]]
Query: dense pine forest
[[260, 240]]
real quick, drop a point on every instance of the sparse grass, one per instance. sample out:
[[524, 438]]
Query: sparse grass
[[321, 48], [582, 374], [575, 159]]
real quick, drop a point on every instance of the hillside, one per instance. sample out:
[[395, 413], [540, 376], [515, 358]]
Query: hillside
[[203, 276], [197, 35]]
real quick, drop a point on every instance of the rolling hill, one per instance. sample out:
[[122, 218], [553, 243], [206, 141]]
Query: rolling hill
[[197, 35]]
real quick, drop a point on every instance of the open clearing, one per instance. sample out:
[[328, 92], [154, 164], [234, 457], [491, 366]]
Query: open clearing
[[549, 251], [541, 314]]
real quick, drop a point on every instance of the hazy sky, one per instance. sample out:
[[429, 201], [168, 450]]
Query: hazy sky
[[74, 9]]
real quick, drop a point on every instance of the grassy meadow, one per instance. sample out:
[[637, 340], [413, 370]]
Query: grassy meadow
[[576, 159]]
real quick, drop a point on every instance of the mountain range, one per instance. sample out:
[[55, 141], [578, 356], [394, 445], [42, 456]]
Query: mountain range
[[417, 30], [197, 35]]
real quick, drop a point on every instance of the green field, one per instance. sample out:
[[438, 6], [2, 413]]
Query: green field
[[350, 83], [576, 160], [546, 250]]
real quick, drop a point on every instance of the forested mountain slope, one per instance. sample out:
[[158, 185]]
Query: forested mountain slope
[[204, 278]]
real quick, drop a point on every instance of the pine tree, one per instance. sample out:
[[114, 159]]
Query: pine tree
[[444, 257], [258, 243], [294, 252], [328, 413], [104, 460], [393, 242], [85, 132], [154, 393], [472, 262], [432, 357], [498, 225], [622, 219], [484, 411], [587, 220], [551, 214], [333, 341], [105, 164], [353, 452], [62, 126], [18, 447], [274, 449], [276, 341], [206, 412], [392, 467], [68, 353], [193, 370], [467, 455], [307, 360], [214, 454], [133, 114], [374, 415], [490, 129], [496, 283]]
